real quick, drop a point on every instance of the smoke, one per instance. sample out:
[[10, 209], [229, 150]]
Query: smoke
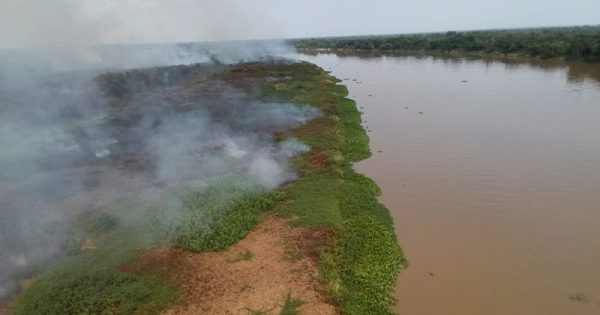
[[76, 142], [43, 36], [237, 138], [72, 146], [64, 24]]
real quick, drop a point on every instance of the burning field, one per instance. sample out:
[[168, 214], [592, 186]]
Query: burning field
[[146, 169], [128, 192], [140, 137]]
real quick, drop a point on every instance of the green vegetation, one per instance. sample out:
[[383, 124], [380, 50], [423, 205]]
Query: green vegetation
[[358, 264], [258, 312], [227, 229], [291, 305], [364, 259], [244, 256], [93, 290], [312, 192], [582, 43], [93, 282]]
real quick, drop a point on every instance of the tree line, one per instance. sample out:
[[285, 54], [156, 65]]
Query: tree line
[[580, 42]]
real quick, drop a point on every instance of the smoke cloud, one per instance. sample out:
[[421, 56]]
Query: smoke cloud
[[76, 141], [64, 24], [72, 145], [60, 35]]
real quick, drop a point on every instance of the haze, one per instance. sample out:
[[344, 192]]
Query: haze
[[59, 22]]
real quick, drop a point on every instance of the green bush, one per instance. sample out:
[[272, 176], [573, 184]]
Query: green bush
[[91, 290], [370, 263], [577, 42], [232, 227], [360, 266]]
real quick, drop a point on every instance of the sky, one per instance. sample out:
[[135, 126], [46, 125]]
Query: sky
[[57, 22], [352, 17]]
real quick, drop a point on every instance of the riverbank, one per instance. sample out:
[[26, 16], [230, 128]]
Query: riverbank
[[347, 241], [514, 57], [568, 43], [482, 163]]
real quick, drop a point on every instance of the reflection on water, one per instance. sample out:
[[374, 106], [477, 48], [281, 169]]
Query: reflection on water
[[577, 71], [490, 169]]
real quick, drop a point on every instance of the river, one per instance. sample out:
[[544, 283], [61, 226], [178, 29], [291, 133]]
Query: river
[[491, 171]]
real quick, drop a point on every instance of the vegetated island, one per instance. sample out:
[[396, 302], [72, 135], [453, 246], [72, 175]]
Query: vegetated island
[[571, 43], [321, 243]]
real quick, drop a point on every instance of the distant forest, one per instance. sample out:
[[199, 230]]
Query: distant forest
[[580, 42]]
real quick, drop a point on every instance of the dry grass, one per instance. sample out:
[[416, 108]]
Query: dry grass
[[211, 284]]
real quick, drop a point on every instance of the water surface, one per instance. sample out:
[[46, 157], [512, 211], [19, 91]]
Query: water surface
[[491, 170]]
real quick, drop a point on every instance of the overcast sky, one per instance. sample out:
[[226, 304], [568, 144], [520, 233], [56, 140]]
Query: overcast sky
[[319, 18], [58, 22]]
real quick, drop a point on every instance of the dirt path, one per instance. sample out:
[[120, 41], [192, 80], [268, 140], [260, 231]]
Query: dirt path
[[256, 274]]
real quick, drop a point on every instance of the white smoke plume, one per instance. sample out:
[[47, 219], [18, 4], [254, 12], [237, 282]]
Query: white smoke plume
[[69, 146], [59, 35]]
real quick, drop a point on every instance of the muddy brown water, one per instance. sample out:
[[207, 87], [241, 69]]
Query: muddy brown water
[[491, 170]]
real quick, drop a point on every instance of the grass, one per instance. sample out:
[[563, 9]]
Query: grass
[[258, 312], [92, 283], [358, 266], [230, 228], [95, 291], [291, 305], [243, 256], [364, 259], [369, 265], [312, 192]]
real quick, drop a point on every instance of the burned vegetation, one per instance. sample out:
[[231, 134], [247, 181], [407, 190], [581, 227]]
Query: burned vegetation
[[188, 159]]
